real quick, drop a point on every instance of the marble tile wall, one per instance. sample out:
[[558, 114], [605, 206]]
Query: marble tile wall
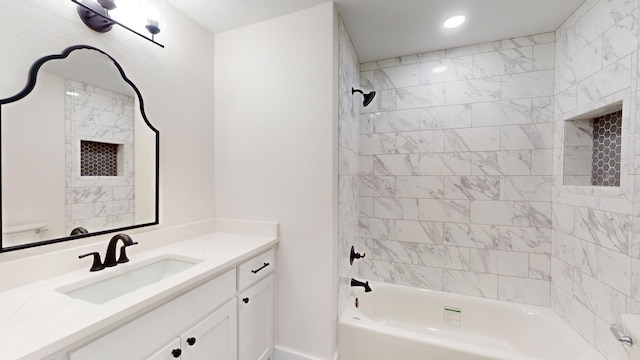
[[578, 151], [456, 170], [348, 145], [93, 114], [595, 264]]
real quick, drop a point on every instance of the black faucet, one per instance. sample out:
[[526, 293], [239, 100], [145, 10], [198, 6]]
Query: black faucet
[[79, 231], [110, 257], [97, 264], [365, 285]]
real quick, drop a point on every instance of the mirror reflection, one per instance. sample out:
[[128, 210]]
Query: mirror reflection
[[78, 156]]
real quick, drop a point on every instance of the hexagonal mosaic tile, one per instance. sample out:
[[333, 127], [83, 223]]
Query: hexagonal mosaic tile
[[98, 159], [607, 147]]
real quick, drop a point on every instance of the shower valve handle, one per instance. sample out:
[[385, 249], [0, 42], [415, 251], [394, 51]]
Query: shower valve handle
[[355, 255]]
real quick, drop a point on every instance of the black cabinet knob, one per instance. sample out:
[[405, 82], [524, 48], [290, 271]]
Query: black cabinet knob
[[191, 341], [245, 300], [176, 353]]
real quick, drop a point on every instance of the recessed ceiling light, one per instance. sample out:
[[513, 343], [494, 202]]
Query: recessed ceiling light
[[454, 21], [439, 69]]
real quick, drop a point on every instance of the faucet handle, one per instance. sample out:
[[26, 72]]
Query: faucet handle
[[97, 263], [123, 253], [354, 255]]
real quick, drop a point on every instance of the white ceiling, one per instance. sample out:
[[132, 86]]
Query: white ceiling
[[382, 29], [89, 67], [222, 15]]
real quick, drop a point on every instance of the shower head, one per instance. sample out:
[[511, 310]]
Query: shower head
[[367, 97]]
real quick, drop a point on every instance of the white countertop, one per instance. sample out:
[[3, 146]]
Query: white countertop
[[37, 321]]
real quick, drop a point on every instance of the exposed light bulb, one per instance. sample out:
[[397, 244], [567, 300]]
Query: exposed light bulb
[[152, 16], [454, 21]]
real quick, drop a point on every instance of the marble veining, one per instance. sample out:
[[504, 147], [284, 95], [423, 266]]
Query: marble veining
[[472, 139], [471, 235], [593, 245], [419, 231], [472, 187], [103, 117], [420, 142], [349, 146], [606, 229], [396, 164], [470, 283], [456, 173], [501, 163], [430, 187], [445, 117], [506, 61], [458, 163], [470, 91], [420, 96]]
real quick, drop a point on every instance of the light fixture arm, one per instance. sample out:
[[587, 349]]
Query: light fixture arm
[[108, 22]]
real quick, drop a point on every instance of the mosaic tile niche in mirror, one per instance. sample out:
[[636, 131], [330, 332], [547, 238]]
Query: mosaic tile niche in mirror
[[100, 158]]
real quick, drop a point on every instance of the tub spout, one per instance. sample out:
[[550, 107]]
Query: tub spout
[[365, 284]]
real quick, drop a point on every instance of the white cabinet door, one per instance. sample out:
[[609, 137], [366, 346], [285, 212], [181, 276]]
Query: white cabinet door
[[255, 321], [171, 351], [143, 335], [215, 337]]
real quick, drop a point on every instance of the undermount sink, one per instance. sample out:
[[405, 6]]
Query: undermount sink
[[106, 287]]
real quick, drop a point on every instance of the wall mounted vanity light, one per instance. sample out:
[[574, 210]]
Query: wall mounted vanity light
[[97, 15]]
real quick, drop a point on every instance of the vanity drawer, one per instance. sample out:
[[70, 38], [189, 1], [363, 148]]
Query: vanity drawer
[[255, 269]]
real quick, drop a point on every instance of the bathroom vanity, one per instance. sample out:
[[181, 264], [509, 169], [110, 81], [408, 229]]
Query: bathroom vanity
[[189, 292], [213, 297]]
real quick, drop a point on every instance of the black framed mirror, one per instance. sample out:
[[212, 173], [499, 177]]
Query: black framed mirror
[[79, 156]]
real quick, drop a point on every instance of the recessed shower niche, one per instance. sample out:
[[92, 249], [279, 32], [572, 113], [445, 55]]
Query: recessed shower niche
[[100, 159], [593, 148]]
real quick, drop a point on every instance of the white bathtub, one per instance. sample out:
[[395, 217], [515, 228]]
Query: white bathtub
[[396, 322]]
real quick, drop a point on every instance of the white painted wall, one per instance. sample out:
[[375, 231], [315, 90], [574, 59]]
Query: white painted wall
[[176, 83], [30, 156], [144, 169], [276, 160]]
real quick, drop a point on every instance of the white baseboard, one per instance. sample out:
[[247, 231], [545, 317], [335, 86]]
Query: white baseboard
[[286, 354]]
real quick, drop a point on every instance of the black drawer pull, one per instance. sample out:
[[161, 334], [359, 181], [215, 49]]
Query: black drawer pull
[[262, 267], [176, 353]]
